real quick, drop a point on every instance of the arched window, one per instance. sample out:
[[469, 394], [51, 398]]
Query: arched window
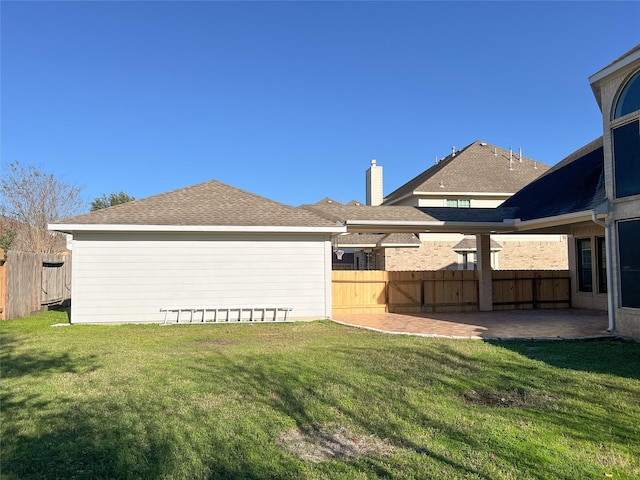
[[625, 135], [629, 99]]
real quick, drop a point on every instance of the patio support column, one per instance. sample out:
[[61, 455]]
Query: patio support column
[[485, 275]]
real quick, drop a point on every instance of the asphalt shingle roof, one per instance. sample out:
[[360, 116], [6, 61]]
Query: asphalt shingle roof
[[479, 167], [575, 184], [209, 203], [339, 212], [469, 243], [448, 214]]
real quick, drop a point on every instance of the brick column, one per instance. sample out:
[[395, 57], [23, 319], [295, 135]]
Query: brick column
[[485, 276]]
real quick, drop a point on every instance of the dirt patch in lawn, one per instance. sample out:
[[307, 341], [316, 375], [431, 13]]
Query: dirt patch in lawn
[[509, 397], [319, 443]]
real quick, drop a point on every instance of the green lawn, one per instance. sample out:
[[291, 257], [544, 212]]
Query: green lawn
[[310, 401]]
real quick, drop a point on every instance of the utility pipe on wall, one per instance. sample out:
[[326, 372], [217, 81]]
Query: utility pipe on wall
[[607, 241]]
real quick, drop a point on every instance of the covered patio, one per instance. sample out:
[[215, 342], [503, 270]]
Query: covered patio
[[545, 324]]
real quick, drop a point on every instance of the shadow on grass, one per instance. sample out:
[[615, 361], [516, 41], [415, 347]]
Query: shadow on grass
[[80, 443], [17, 364], [215, 412], [608, 356], [378, 403]]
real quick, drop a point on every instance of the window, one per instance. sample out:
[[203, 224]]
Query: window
[[468, 261], [601, 255], [585, 273], [629, 99], [626, 154], [629, 250], [459, 202], [626, 140]]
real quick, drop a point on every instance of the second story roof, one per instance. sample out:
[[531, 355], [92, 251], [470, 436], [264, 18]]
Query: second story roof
[[478, 167]]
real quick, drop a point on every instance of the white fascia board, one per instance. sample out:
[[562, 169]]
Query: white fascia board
[[397, 200], [615, 66], [71, 228], [399, 226], [596, 78], [559, 220], [400, 245], [357, 245]]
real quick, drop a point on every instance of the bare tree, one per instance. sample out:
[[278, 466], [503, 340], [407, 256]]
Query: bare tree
[[34, 199]]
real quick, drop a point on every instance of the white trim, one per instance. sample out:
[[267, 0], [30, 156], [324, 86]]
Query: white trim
[[399, 226], [559, 220], [615, 66], [70, 228]]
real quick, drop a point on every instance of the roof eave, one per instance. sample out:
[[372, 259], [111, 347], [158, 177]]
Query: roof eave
[[557, 221], [73, 228], [595, 80], [398, 226]]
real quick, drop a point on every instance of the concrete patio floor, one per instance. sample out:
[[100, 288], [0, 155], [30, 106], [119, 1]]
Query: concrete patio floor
[[501, 325]]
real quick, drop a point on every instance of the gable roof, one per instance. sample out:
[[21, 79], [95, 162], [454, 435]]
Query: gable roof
[[575, 184], [479, 167], [470, 244], [206, 204]]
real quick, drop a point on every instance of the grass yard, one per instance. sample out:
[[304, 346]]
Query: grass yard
[[310, 401]]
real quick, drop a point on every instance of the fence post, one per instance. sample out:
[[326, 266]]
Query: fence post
[[3, 289]]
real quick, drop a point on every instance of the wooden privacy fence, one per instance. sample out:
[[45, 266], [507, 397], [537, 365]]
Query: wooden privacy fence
[[446, 290], [30, 282]]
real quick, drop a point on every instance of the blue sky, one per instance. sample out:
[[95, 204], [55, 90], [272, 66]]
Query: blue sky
[[291, 100]]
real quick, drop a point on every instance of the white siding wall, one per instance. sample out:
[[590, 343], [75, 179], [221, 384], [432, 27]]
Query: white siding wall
[[486, 202], [128, 277], [479, 202]]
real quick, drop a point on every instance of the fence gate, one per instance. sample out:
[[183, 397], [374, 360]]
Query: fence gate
[[53, 283], [33, 281]]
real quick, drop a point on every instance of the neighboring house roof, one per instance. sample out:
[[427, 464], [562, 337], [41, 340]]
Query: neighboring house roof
[[479, 167], [408, 219], [469, 244], [210, 203], [327, 200], [575, 184], [450, 214], [340, 213], [574, 187]]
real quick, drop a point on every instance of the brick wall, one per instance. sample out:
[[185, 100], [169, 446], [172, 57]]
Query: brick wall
[[429, 256], [536, 255], [515, 255]]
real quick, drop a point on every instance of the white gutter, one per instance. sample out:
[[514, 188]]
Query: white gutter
[[558, 220], [400, 226], [607, 242], [70, 228]]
